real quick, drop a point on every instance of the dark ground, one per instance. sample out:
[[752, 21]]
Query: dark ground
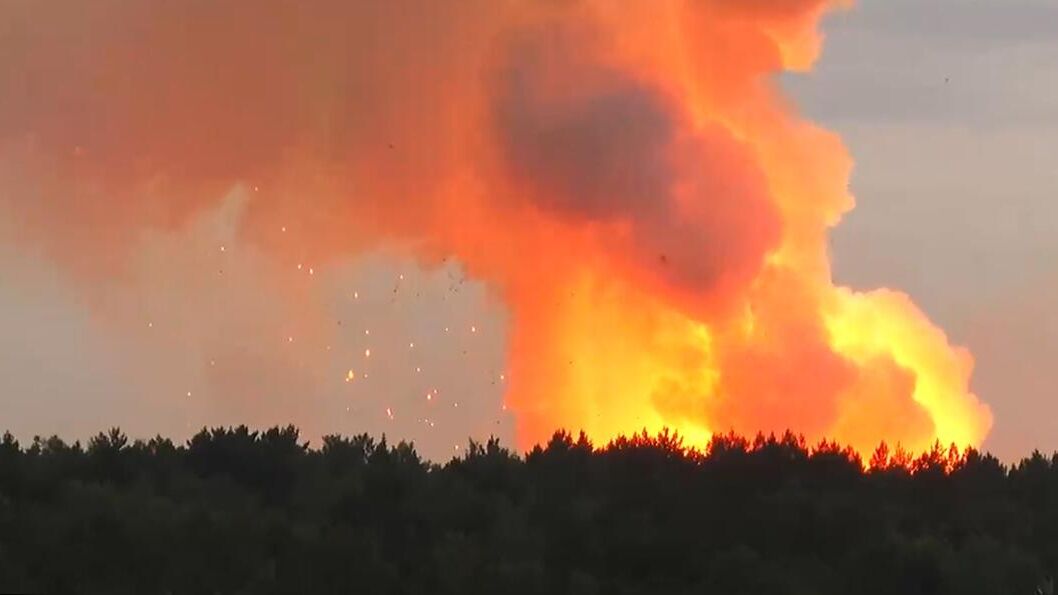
[[235, 511]]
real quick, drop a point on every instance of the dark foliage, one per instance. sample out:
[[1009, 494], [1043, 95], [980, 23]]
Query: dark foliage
[[236, 511]]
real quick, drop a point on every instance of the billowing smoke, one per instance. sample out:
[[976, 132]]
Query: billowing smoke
[[593, 146], [624, 176]]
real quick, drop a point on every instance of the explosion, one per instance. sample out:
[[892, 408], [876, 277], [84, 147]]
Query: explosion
[[626, 176]]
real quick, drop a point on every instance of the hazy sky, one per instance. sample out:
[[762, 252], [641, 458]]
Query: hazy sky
[[949, 107]]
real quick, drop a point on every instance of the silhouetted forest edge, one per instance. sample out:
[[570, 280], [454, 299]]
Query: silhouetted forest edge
[[239, 511]]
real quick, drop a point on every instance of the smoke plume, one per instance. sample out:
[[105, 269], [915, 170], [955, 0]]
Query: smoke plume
[[626, 177]]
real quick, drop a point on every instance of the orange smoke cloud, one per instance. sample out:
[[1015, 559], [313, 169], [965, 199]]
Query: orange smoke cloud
[[625, 175]]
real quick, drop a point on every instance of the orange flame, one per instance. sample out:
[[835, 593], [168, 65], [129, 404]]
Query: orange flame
[[612, 348], [626, 175]]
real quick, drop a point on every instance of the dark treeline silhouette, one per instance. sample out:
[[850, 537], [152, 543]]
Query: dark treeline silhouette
[[236, 511]]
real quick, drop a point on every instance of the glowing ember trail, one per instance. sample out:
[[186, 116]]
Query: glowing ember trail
[[626, 175]]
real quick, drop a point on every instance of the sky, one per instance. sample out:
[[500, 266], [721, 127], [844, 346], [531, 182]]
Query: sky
[[949, 109]]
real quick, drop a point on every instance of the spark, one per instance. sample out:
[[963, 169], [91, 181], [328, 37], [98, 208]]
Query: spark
[[367, 352], [367, 332], [401, 277], [473, 329], [290, 339], [350, 376], [299, 266], [283, 229], [389, 412], [446, 329], [311, 271], [418, 369], [429, 396], [189, 393], [411, 345], [503, 377], [356, 295], [222, 248], [150, 325]]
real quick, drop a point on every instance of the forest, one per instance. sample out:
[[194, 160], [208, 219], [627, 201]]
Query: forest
[[239, 511]]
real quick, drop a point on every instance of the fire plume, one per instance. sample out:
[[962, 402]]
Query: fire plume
[[626, 175]]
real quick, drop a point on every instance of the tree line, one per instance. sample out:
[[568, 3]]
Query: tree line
[[239, 511]]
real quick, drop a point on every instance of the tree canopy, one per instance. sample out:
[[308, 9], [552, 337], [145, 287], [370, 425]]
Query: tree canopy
[[239, 511]]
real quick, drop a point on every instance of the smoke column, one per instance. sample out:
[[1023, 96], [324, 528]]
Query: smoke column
[[625, 176]]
